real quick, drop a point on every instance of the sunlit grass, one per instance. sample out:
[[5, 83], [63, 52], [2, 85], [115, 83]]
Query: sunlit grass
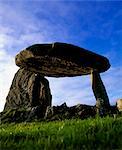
[[98, 133]]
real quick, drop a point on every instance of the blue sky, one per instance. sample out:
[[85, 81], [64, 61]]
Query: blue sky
[[94, 25]]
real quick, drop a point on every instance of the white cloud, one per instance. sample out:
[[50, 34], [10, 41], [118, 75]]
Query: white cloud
[[112, 80], [24, 25], [72, 90], [78, 89], [7, 71]]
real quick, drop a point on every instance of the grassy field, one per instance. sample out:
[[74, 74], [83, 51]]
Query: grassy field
[[90, 134]]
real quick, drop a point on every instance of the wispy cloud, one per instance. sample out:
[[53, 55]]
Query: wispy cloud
[[7, 71], [112, 80], [71, 90], [93, 25]]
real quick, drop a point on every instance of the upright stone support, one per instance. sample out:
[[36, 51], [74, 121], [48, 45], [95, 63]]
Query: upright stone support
[[28, 90], [102, 100]]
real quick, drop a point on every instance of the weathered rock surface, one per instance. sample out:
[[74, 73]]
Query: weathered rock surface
[[102, 100], [53, 113], [28, 90], [61, 59], [119, 104], [21, 115], [63, 112]]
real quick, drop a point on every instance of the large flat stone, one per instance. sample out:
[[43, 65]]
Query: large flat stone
[[60, 60]]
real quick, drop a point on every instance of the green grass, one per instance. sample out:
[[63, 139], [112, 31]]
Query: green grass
[[90, 134]]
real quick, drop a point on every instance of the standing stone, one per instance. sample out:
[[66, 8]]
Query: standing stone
[[100, 93], [28, 90]]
